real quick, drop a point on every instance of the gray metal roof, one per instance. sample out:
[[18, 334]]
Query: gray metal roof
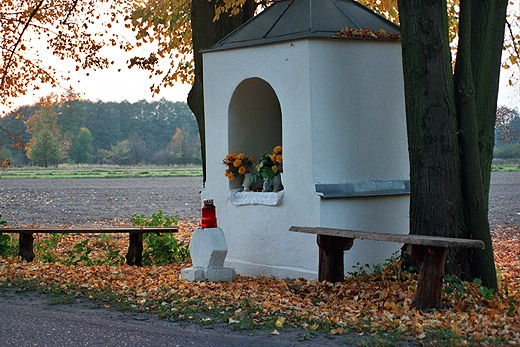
[[296, 19]]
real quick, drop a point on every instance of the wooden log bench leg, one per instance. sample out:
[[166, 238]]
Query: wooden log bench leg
[[431, 275], [135, 250], [331, 265], [25, 246]]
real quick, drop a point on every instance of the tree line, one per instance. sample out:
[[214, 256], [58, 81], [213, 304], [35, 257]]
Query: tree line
[[123, 133], [507, 134]]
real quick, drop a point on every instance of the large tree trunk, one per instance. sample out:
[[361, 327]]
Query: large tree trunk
[[451, 121], [206, 33], [485, 36], [436, 196], [471, 173]]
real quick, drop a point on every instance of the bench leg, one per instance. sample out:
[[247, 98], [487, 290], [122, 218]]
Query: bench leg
[[25, 243], [431, 276], [331, 266], [135, 249]]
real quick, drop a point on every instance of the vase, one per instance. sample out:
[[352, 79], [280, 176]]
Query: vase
[[267, 185], [247, 182], [277, 183]]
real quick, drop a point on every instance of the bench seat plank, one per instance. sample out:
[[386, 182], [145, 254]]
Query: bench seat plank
[[421, 240], [102, 230]]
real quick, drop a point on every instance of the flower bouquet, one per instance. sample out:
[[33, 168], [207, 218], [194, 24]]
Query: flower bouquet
[[276, 158], [269, 166], [238, 164], [266, 168]]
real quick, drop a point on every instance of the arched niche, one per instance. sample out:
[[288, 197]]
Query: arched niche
[[254, 119]]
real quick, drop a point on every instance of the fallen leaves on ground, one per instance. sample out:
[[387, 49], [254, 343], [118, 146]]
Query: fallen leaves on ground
[[366, 304], [367, 33]]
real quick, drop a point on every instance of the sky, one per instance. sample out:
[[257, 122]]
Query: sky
[[108, 84], [133, 84]]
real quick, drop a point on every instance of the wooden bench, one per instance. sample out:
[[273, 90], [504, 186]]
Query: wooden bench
[[430, 251], [134, 255]]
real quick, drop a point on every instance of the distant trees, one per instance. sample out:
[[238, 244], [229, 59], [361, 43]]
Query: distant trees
[[81, 147], [44, 146], [182, 146], [120, 133], [507, 134]]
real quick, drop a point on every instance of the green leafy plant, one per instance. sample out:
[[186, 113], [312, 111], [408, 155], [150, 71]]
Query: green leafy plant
[[8, 246], [80, 253], [160, 248], [487, 293], [163, 249], [158, 219], [46, 248], [114, 257], [454, 285], [266, 168], [7, 243]]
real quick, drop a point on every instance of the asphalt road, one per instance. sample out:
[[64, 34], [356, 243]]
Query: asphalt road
[[28, 320]]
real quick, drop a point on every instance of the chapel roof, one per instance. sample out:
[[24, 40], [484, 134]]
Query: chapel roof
[[297, 19]]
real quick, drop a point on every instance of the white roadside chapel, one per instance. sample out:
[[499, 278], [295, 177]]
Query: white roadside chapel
[[336, 106]]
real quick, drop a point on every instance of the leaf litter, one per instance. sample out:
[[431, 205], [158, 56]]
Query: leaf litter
[[366, 304]]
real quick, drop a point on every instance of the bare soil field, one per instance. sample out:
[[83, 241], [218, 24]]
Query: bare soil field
[[53, 202]]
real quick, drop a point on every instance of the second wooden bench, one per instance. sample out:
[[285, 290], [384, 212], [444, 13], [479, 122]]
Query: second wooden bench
[[430, 251]]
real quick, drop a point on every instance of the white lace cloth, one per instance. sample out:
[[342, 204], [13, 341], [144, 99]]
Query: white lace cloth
[[239, 197]]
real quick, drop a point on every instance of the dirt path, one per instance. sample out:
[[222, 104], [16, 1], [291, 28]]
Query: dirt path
[[86, 201], [504, 199]]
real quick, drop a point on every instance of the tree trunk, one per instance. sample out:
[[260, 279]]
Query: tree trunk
[[206, 33], [450, 120], [475, 148], [487, 37], [436, 196]]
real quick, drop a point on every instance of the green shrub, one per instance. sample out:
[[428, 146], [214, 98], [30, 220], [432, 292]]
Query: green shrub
[[162, 248], [3, 222], [7, 242], [46, 247], [8, 246]]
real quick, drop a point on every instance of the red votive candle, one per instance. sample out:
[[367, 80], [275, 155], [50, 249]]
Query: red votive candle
[[209, 214]]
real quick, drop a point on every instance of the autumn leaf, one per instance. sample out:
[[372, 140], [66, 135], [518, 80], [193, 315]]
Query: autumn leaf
[[279, 322], [336, 331]]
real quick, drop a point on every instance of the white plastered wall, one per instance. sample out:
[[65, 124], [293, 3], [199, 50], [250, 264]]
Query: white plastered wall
[[331, 123], [259, 243], [359, 135]]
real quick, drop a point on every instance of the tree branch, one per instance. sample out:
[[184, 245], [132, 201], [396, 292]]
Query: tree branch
[[74, 4], [26, 25], [512, 38]]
